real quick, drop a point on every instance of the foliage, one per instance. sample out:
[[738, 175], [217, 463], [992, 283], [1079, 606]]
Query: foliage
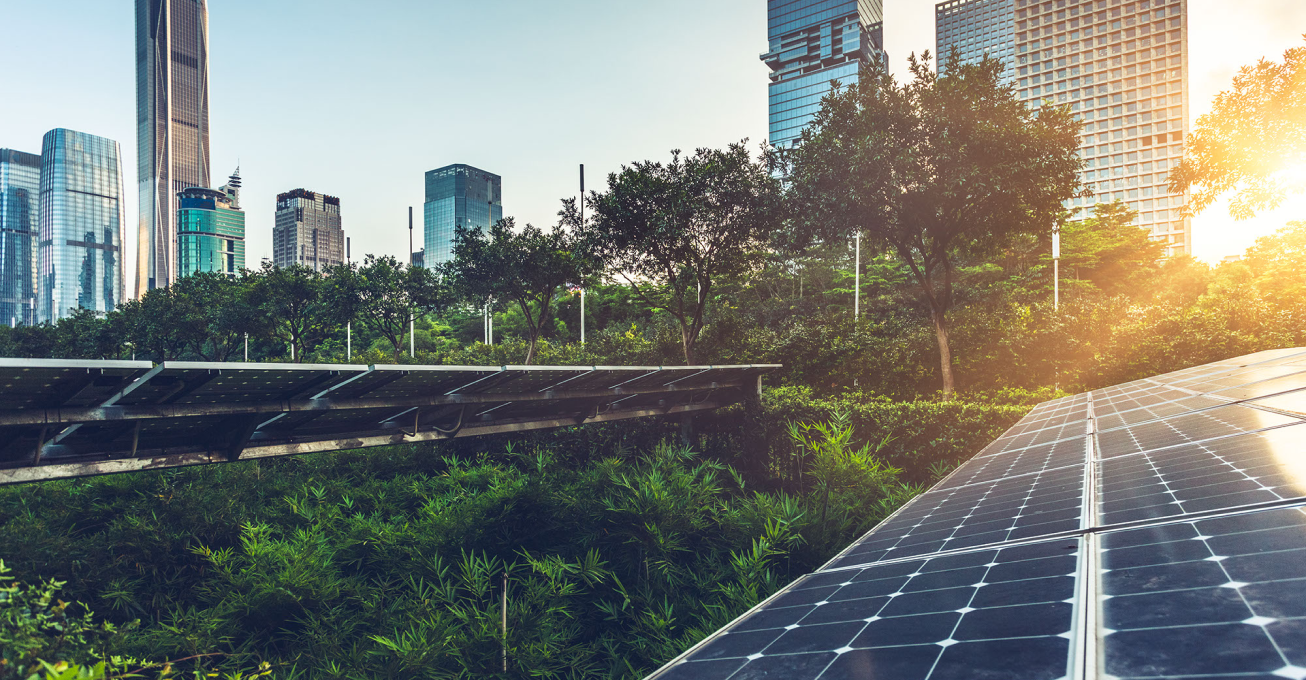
[[670, 231], [1253, 141], [385, 295], [526, 268], [295, 302], [933, 170]]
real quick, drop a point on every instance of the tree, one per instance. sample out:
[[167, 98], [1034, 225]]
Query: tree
[[218, 311], [152, 324], [1253, 142], [1109, 250], [939, 168], [295, 306], [671, 230], [525, 268], [386, 295]]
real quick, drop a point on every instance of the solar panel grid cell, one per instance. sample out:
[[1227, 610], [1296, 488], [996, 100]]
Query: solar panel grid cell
[[1025, 507], [1221, 597], [987, 613], [1064, 453], [1287, 383], [1190, 427]]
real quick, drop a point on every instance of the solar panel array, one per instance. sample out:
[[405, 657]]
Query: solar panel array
[[69, 418], [1155, 529]]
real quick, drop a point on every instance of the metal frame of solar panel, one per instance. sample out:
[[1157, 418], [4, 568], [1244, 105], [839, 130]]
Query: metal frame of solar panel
[[1154, 529], [74, 418]]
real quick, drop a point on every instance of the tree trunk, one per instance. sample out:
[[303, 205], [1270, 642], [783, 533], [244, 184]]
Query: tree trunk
[[688, 344], [945, 352], [530, 349]]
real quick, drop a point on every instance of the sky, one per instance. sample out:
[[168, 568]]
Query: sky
[[358, 100]]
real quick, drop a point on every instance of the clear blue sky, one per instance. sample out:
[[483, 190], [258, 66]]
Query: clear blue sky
[[360, 99]]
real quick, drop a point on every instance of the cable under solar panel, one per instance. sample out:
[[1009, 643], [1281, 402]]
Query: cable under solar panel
[[1179, 502]]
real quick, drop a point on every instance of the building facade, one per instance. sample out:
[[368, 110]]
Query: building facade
[[211, 230], [82, 219], [172, 117], [812, 42], [457, 195], [20, 190], [976, 28], [307, 230], [1121, 66]]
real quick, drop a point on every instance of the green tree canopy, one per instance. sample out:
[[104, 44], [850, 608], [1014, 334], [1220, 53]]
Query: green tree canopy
[[386, 296], [932, 170], [526, 268], [1109, 250], [670, 231], [1253, 142], [295, 305]]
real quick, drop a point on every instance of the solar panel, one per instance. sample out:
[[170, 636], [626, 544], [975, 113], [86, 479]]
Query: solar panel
[[1180, 501], [1222, 597], [988, 613], [80, 418]]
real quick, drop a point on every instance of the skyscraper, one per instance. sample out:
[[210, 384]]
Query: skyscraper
[[811, 43], [456, 195], [1122, 67], [307, 230], [211, 229], [81, 225], [20, 188], [172, 117], [976, 28]]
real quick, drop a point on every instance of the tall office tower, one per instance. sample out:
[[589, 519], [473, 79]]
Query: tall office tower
[[172, 118], [82, 219], [456, 195], [812, 42], [210, 232], [307, 230], [976, 28], [1122, 67], [20, 189]]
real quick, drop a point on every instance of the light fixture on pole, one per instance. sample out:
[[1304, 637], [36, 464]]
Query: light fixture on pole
[[1056, 267]]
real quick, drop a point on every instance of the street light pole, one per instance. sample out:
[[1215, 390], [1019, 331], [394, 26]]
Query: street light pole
[[412, 339], [582, 224], [1056, 267], [857, 277]]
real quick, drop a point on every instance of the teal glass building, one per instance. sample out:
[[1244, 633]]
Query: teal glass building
[[20, 188], [81, 225], [457, 195], [976, 29], [813, 42], [210, 232]]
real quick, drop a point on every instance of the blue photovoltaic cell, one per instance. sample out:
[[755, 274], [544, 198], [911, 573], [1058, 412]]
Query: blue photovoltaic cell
[[1216, 598], [1064, 453], [1189, 427], [1001, 613]]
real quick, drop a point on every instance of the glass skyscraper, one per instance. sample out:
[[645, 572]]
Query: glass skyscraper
[[211, 230], [457, 195], [172, 117], [20, 189], [1121, 67], [813, 42], [81, 225], [976, 28], [307, 230]]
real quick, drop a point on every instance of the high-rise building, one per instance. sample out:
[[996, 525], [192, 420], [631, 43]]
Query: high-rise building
[[307, 230], [976, 28], [455, 196], [1121, 66], [211, 229], [172, 118], [20, 189], [812, 42], [81, 225]]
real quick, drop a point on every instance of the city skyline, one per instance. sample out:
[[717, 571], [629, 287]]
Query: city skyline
[[711, 92]]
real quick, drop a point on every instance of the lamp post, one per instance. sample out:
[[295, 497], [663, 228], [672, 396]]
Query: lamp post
[[1056, 267], [857, 276], [412, 339], [582, 224]]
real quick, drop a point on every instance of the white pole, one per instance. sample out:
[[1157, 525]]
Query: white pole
[[412, 338], [1056, 268], [582, 316], [247, 348], [857, 279], [349, 341]]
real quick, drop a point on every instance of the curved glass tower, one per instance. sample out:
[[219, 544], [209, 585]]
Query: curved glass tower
[[20, 185], [81, 224], [172, 118]]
